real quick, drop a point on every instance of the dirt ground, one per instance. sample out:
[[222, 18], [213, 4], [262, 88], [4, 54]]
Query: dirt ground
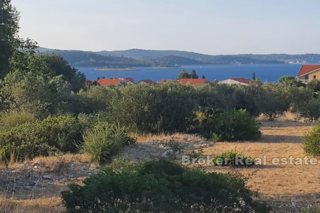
[[286, 187]]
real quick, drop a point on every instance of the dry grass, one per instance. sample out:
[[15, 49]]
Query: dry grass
[[54, 163], [47, 205], [277, 183], [178, 137], [274, 181]]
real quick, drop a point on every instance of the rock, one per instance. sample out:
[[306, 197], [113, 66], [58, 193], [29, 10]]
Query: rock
[[47, 177], [211, 144], [36, 166], [161, 146], [169, 155], [197, 146]]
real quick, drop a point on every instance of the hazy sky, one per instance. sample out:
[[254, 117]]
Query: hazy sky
[[207, 26]]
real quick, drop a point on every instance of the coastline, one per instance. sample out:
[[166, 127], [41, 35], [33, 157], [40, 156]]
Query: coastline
[[129, 68]]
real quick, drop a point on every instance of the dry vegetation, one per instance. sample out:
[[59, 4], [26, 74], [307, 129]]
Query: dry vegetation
[[48, 205], [286, 187], [35, 186]]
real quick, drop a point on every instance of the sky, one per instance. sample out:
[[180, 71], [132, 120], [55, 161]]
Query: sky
[[205, 26]]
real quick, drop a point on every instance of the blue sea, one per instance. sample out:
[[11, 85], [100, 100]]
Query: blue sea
[[265, 72]]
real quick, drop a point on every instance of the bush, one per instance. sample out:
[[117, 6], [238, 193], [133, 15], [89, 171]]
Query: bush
[[231, 125], [311, 109], [104, 140], [12, 119], [160, 187], [233, 159], [153, 108], [271, 101], [37, 92], [25, 142], [94, 99], [64, 132], [53, 135], [312, 142]]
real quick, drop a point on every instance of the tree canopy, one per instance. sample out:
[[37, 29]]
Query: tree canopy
[[9, 26], [192, 75]]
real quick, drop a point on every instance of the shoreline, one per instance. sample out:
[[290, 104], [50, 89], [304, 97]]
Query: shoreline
[[130, 68]]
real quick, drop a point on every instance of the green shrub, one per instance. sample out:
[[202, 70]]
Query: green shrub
[[270, 100], [233, 159], [12, 119], [311, 109], [160, 187], [310, 210], [312, 142], [37, 91], [231, 125], [64, 132], [104, 140], [153, 108], [53, 135], [25, 142], [94, 99]]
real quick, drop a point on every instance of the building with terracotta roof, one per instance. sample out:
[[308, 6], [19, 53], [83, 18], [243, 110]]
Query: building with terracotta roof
[[107, 82], [308, 72], [193, 82], [237, 81], [148, 82]]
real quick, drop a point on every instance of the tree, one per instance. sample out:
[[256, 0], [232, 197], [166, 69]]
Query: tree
[[184, 74], [9, 27], [59, 66], [290, 81], [311, 109], [314, 85], [194, 74], [270, 101], [36, 90]]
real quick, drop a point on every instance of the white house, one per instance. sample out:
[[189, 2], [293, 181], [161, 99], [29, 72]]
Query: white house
[[237, 81]]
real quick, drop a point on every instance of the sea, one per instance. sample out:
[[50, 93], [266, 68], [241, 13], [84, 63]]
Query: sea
[[264, 72]]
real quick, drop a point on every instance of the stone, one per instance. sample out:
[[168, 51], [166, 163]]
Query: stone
[[47, 177], [169, 155]]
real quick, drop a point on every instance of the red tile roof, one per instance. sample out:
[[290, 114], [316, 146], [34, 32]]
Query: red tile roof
[[108, 82], [113, 81], [195, 82], [305, 69], [242, 80]]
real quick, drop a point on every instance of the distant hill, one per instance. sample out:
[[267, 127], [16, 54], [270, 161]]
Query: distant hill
[[289, 59], [172, 58], [91, 59]]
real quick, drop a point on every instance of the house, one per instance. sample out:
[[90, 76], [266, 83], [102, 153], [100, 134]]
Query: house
[[308, 72], [107, 82], [237, 81], [193, 82], [146, 82], [165, 81]]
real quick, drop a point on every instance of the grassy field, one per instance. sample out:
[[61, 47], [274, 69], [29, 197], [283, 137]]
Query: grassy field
[[287, 188]]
